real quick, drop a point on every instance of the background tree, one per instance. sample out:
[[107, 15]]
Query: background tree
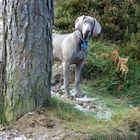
[[25, 70]]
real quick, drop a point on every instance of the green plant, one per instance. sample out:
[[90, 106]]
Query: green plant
[[103, 75], [119, 19], [132, 48], [97, 64], [120, 126], [64, 110]]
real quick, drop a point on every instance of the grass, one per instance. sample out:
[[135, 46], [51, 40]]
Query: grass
[[102, 81], [119, 104], [124, 123], [104, 77]]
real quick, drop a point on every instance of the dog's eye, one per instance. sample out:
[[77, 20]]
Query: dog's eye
[[91, 23], [85, 21]]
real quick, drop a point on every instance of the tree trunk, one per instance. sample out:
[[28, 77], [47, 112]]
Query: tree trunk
[[26, 56]]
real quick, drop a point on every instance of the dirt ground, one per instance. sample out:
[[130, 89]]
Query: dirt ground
[[36, 126]]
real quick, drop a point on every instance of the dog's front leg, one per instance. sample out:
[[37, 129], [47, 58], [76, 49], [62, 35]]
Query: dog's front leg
[[66, 70], [77, 80]]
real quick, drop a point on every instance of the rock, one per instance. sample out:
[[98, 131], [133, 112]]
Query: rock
[[88, 107], [55, 88], [12, 134], [85, 104], [80, 103], [93, 106], [57, 73]]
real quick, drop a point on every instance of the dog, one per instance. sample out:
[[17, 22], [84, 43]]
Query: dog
[[72, 48]]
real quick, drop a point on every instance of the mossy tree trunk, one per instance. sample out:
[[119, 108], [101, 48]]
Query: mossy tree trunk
[[25, 71]]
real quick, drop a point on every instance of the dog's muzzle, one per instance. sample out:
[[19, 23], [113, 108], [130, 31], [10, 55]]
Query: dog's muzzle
[[86, 34]]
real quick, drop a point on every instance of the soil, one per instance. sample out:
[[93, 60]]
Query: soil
[[35, 126]]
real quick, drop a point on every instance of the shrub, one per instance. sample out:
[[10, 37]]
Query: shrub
[[119, 18]]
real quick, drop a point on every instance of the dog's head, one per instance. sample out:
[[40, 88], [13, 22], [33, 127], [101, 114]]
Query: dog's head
[[88, 26]]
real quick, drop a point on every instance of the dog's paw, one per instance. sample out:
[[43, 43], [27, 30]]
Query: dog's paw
[[66, 96], [80, 95]]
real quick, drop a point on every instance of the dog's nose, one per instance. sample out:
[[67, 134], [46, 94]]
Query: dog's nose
[[87, 31], [86, 34]]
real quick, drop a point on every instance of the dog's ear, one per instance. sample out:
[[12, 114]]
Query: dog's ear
[[78, 22], [97, 28]]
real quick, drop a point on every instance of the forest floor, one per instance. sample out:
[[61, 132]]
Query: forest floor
[[95, 116], [107, 116], [37, 126]]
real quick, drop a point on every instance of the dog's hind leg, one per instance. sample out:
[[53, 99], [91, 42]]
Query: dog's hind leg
[[66, 71], [77, 80]]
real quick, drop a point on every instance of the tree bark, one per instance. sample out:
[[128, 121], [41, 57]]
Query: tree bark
[[26, 56]]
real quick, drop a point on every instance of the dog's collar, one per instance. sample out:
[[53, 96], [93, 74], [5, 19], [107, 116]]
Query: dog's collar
[[84, 43], [93, 25]]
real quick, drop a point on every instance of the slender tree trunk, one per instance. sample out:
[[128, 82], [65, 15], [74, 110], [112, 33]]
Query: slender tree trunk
[[26, 57]]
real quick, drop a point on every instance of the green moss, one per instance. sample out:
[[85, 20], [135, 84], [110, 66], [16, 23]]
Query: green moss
[[2, 116], [22, 99]]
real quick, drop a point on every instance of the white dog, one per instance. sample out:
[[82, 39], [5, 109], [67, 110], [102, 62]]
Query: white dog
[[72, 48]]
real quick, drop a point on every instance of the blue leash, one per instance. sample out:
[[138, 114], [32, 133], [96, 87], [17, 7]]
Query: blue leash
[[84, 45]]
